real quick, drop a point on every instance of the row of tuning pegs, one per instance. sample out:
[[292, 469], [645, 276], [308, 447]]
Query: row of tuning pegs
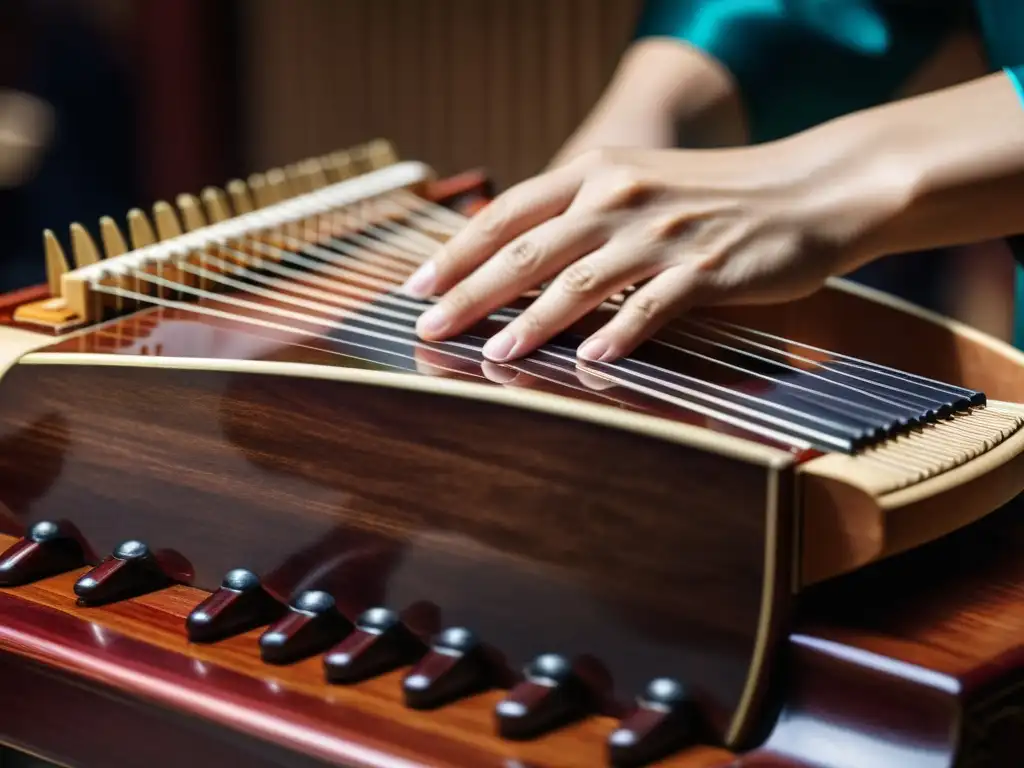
[[451, 666], [213, 205]]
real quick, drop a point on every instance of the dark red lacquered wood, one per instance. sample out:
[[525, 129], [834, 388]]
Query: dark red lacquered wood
[[456, 666], [132, 570], [665, 721], [380, 643], [46, 550], [551, 696], [138, 651], [240, 604], [311, 625], [389, 497]]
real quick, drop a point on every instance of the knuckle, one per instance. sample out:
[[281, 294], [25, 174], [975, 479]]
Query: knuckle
[[667, 227], [626, 188], [521, 256], [646, 308], [579, 278], [494, 219]]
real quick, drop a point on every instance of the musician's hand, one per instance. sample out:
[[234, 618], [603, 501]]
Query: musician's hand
[[700, 227]]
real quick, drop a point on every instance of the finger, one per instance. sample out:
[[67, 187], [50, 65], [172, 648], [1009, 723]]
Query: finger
[[523, 264], [579, 289], [521, 208], [644, 312]]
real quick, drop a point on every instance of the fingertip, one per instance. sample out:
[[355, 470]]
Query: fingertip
[[422, 282], [597, 349], [433, 323]]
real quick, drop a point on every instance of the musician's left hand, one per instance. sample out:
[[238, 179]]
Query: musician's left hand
[[754, 224]]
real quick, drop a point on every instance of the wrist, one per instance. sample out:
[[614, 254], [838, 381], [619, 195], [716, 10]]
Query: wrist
[[936, 170]]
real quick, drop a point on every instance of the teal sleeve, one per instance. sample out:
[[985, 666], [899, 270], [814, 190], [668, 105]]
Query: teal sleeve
[[1016, 75], [801, 62]]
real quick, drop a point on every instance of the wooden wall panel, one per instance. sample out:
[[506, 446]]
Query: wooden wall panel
[[455, 83]]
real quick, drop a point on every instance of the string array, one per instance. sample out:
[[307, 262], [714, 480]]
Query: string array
[[332, 276]]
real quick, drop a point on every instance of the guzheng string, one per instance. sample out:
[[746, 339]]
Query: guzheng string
[[346, 270]]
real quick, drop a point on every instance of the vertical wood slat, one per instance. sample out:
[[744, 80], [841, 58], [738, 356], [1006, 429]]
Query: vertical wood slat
[[455, 83]]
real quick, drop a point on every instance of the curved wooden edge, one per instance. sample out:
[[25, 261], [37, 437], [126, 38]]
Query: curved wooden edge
[[838, 506], [15, 343], [972, 334], [684, 434], [138, 648], [848, 707]]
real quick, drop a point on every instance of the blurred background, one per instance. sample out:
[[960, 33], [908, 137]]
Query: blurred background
[[119, 103]]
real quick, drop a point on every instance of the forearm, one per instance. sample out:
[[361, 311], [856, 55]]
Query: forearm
[[659, 87], [952, 162]]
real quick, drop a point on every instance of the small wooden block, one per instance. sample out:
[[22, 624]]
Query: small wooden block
[[665, 721], [455, 667], [552, 695], [312, 625], [241, 604], [45, 551], [130, 571], [380, 644]]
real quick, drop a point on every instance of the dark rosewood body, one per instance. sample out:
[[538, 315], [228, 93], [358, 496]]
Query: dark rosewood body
[[913, 663], [634, 557]]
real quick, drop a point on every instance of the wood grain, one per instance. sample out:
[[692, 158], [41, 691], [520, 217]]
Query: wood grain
[[911, 663], [138, 649], [562, 536]]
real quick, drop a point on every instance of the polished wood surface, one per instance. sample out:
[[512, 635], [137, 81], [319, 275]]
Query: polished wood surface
[[138, 649], [914, 663], [565, 537], [562, 536]]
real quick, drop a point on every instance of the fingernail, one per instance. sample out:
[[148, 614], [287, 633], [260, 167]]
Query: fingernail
[[434, 321], [421, 283], [500, 347], [595, 350]]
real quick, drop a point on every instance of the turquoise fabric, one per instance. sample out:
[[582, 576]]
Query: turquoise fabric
[[826, 58]]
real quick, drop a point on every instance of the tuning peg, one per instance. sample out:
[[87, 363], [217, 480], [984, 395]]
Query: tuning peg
[[216, 203], [191, 212], [241, 201], [130, 571], [240, 604], [381, 642], [140, 231], [83, 247], [666, 720], [454, 667], [167, 225], [552, 695], [45, 551], [56, 262], [312, 625]]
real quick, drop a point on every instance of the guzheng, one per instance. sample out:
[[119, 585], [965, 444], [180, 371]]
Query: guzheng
[[252, 519]]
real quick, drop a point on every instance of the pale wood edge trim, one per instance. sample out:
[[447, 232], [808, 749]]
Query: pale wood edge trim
[[670, 431], [953, 326], [757, 682], [14, 343], [860, 527]]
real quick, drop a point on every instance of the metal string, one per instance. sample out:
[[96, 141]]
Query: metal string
[[355, 256]]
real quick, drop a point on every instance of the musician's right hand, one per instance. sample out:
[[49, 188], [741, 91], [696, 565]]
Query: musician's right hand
[[700, 227]]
